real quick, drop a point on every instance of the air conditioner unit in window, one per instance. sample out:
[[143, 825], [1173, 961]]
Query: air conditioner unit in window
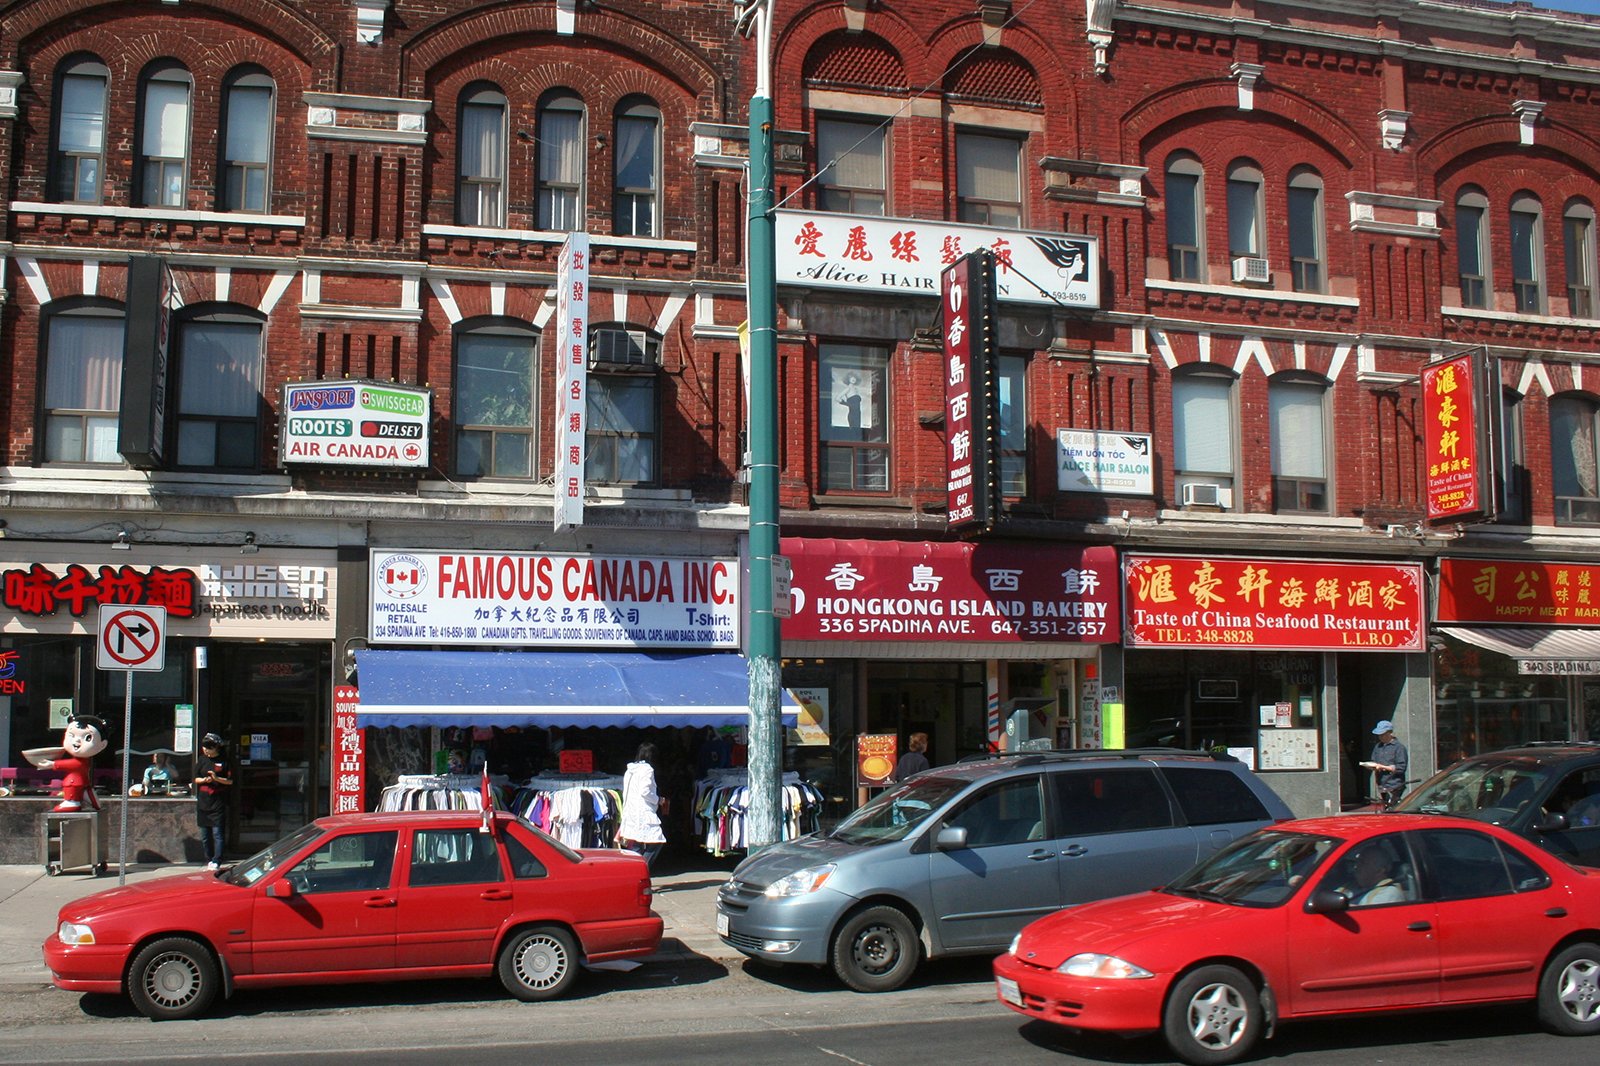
[[1249, 268], [1202, 494]]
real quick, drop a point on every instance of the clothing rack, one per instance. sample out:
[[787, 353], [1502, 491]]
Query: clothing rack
[[721, 801], [434, 792], [580, 810]]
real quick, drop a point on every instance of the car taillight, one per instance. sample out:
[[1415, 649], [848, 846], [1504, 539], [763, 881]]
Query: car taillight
[[645, 893]]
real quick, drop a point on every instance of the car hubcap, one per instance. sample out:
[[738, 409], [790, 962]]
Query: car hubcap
[[172, 980], [1217, 1016], [1580, 990], [541, 963], [877, 949]]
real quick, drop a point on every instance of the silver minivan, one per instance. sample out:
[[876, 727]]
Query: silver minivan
[[959, 858]]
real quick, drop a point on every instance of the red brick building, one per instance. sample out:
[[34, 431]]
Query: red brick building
[[1233, 236]]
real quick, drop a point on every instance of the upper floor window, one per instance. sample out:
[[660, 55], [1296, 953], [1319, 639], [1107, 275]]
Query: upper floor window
[[495, 401], [1299, 445], [561, 162], [1185, 228], [988, 179], [1306, 248], [1202, 438], [620, 444], [82, 385], [219, 392], [852, 167], [481, 157], [163, 161], [247, 124], [1512, 474], [1574, 443], [1472, 247], [1577, 232], [1244, 210], [855, 418], [1527, 253], [634, 203], [1013, 385], [80, 131]]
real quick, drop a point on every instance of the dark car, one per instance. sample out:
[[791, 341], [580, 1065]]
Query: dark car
[[957, 859], [1547, 792]]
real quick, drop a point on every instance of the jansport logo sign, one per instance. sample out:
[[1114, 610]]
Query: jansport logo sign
[[354, 424]]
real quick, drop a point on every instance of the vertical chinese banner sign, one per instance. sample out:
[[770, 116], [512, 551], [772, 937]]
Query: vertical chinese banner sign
[[572, 386], [346, 790], [1452, 439], [967, 288]]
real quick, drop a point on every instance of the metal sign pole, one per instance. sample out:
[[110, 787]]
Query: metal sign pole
[[127, 742]]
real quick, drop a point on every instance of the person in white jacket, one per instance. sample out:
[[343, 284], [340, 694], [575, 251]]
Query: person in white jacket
[[642, 807]]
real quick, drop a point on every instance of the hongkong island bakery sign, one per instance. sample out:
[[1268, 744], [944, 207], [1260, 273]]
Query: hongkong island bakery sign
[[515, 599]]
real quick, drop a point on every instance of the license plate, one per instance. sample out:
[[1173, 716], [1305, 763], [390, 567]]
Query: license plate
[[722, 924], [1009, 991]]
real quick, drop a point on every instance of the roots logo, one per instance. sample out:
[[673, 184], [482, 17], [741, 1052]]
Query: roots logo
[[402, 576]]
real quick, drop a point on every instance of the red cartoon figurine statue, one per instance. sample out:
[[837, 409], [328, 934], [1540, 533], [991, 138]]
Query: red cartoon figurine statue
[[83, 740]]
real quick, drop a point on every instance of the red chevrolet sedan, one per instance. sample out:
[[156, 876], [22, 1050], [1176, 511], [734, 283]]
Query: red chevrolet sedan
[[1317, 918], [363, 897]]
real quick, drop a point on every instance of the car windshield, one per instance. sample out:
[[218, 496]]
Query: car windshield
[[1492, 788], [895, 814], [264, 862], [1261, 870]]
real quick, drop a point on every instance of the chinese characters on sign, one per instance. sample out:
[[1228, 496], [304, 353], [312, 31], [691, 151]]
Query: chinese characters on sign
[[345, 791], [1502, 590], [572, 377], [918, 591], [969, 392], [1450, 440], [1272, 604], [1109, 463]]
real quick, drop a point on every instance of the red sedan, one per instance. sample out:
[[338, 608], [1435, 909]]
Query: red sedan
[[363, 897], [1316, 918]]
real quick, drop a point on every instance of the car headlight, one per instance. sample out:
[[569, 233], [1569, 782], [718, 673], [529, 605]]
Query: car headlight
[[75, 933], [1093, 964], [800, 882], [1012, 950]]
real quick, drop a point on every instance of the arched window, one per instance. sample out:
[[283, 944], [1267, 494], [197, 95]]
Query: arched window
[[637, 174], [1298, 413], [623, 427], [163, 160], [481, 157], [78, 161], [561, 161], [1307, 251], [220, 357], [1577, 238], [1244, 210], [1573, 446], [82, 384], [1185, 200], [1472, 247], [1203, 437], [495, 399], [1527, 253], [248, 106]]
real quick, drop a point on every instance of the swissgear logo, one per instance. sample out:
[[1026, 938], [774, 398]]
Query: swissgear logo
[[402, 576]]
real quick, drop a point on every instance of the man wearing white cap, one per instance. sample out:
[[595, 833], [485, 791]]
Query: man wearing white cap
[[1389, 762]]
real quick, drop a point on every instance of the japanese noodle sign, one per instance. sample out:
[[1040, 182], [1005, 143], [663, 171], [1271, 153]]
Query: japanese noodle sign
[[1498, 591], [1272, 604], [1452, 440]]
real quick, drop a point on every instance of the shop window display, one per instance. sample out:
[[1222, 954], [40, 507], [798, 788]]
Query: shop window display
[[1482, 704]]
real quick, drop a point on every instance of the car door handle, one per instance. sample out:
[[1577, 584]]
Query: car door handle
[[1419, 927], [379, 901], [1039, 854], [1072, 851], [1556, 912], [495, 894]]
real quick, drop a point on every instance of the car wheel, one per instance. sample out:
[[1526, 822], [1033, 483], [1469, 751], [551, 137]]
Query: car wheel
[[1213, 1016], [173, 978], [539, 963], [1569, 991], [876, 950]]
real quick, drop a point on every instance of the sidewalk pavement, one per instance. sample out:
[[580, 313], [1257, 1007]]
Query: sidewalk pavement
[[686, 899]]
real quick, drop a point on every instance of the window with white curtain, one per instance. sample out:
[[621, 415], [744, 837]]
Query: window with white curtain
[[561, 161], [1527, 253], [1203, 432], [80, 131], [1573, 441], [494, 402], [637, 178], [1577, 232], [1185, 231], [164, 135], [852, 166], [247, 125], [481, 157], [1244, 210], [1472, 247], [1299, 445], [219, 392], [82, 386], [988, 179], [1305, 231]]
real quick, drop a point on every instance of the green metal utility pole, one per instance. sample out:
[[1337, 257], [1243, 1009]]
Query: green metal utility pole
[[754, 17]]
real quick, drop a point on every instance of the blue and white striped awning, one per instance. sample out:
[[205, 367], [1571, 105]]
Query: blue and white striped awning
[[555, 688]]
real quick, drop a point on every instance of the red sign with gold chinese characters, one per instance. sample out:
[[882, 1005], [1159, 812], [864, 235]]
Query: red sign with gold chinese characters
[[1272, 604], [1500, 591], [1452, 439]]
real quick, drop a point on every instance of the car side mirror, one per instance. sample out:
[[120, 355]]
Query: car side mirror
[[281, 890], [1328, 901], [1550, 823], [951, 838]]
